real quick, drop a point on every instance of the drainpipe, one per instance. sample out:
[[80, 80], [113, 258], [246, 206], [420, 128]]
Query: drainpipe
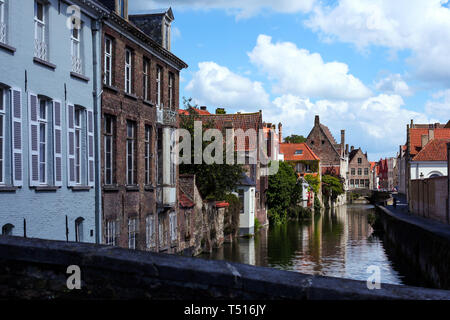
[[96, 30], [448, 183]]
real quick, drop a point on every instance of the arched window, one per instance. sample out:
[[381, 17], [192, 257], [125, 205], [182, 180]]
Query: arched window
[[435, 174], [79, 236], [7, 229]]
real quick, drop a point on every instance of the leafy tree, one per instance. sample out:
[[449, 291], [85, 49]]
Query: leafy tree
[[332, 186], [281, 187], [214, 181], [313, 181], [294, 139]]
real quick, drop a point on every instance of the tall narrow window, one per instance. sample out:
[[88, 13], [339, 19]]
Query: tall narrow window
[[150, 231], [78, 141], [145, 76], [159, 148], [2, 21], [128, 82], [241, 200], [171, 90], [79, 232], [76, 48], [148, 155], [167, 36], [121, 8], [2, 136], [131, 147], [108, 134], [132, 230], [42, 119], [40, 43], [359, 171], [173, 226], [110, 232], [108, 62], [158, 86]]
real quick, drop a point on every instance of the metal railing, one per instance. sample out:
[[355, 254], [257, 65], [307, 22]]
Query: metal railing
[[40, 49], [2, 32], [77, 65]]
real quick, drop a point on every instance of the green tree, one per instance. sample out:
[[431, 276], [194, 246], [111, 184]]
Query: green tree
[[214, 181], [294, 139], [332, 186], [313, 181], [279, 193]]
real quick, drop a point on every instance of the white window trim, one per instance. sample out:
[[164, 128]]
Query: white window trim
[[150, 231], [132, 227], [128, 71], [77, 144], [2, 133], [147, 154], [40, 46], [108, 66], [146, 77], [76, 55], [171, 80], [158, 86], [110, 232], [111, 136], [3, 26], [43, 121], [131, 139]]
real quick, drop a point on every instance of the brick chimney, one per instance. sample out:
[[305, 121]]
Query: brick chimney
[[424, 141], [203, 108], [316, 120], [346, 149], [280, 133], [342, 140], [430, 134], [352, 148]]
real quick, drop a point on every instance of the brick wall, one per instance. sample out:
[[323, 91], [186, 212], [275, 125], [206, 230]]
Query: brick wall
[[429, 198], [322, 147]]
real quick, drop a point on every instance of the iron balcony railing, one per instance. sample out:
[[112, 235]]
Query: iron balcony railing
[[2, 32], [166, 116], [40, 49], [76, 65]]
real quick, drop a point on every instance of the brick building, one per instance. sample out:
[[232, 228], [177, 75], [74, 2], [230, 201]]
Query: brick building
[[359, 169], [139, 114]]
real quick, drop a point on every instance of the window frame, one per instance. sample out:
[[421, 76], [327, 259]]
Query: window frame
[[76, 56], [150, 232], [40, 23], [3, 21], [359, 171], [131, 141], [109, 135], [43, 123], [78, 138], [128, 71], [148, 154], [79, 232], [110, 232], [159, 86], [2, 134], [146, 78], [171, 90], [107, 78], [132, 232]]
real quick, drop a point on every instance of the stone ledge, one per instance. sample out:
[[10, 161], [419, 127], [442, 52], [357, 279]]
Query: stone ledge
[[8, 48], [116, 273], [44, 63], [79, 76]]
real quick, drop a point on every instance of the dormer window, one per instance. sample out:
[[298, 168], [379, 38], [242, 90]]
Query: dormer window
[[166, 35], [298, 152], [121, 8]]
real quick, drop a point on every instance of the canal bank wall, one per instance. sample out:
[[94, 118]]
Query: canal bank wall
[[422, 245], [37, 269]]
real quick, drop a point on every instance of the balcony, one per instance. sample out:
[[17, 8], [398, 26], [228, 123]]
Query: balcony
[[166, 116], [2, 32], [40, 49], [166, 196], [77, 65]]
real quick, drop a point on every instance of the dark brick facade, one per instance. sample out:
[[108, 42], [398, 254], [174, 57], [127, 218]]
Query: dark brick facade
[[121, 201]]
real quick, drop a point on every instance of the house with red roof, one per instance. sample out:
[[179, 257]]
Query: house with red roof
[[431, 160]]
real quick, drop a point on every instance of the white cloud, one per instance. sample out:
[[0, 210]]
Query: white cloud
[[216, 85], [422, 26], [240, 8], [394, 84], [299, 72], [440, 108]]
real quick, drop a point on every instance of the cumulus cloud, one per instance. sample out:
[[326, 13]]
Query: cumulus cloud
[[394, 84], [440, 107], [297, 71], [216, 85], [240, 8], [422, 26]]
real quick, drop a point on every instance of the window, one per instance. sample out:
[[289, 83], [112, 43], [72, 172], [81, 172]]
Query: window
[[7, 229], [171, 90], [42, 139], [2, 135], [323, 141], [108, 62], [367, 182], [150, 231], [76, 48], [241, 200], [121, 8], [2, 21], [359, 160], [359, 171], [148, 155], [110, 233], [108, 134], [173, 226], [162, 232], [361, 183], [158, 86], [78, 142], [132, 230], [131, 147], [159, 148], [79, 235], [40, 44], [128, 71], [352, 182], [145, 77], [353, 171], [298, 152], [366, 171], [167, 36]]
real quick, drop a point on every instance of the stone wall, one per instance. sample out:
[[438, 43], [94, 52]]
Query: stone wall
[[37, 269], [429, 198]]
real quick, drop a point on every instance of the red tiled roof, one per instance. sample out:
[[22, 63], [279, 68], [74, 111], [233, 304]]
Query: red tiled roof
[[415, 137], [435, 150], [288, 149], [372, 164], [184, 200], [199, 111]]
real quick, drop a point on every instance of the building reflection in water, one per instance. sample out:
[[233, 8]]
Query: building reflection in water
[[338, 242]]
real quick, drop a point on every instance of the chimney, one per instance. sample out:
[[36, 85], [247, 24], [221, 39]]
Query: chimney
[[412, 123], [203, 108], [342, 138], [220, 111], [352, 148], [430, 134], [424, 140], [280, 133], [346, 149], [316, 120]]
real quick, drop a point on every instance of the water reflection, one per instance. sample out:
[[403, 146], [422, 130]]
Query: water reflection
[[338, 243]]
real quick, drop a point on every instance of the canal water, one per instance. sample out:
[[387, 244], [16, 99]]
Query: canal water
[[338, 243]]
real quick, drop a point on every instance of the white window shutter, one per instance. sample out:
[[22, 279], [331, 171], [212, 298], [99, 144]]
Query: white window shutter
[[57, 135], [71, 145], [33, 135], [90, 151], [17, 145]]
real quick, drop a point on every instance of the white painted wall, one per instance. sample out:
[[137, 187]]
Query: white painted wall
[[428, 168], [247, 219]]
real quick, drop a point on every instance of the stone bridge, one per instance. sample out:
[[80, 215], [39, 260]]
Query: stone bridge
[[37, 269]]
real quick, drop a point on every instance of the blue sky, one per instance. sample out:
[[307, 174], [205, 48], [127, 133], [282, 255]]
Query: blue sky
[[367, 66]]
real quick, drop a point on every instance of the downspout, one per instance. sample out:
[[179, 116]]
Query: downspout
[[96, 28]]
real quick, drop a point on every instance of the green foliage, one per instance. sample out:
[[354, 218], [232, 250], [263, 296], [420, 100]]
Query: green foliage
[[281, 187], [277, 217], [257, 225], [317, 205], [332, 186], [299, 213], [214, 181], [313, 181], [294, 139]]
